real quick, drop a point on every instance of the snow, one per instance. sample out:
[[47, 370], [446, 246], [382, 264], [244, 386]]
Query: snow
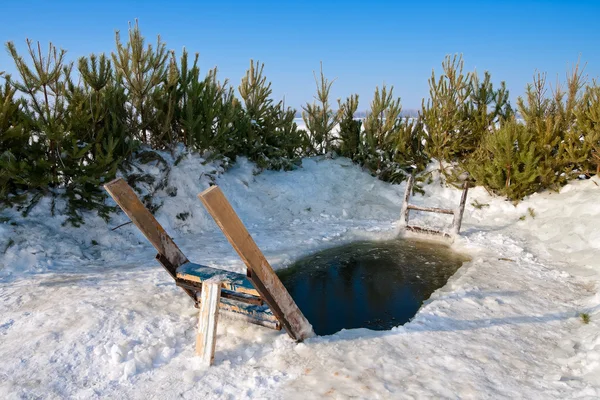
[[85, 320]]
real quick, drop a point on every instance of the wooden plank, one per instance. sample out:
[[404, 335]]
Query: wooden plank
[[260, 315], [260, 272], [458, 214], [207, 322], [228, 294], [173, 272], [431, 209], [233, 311], [250, 309], [405, 210], [231, 280], [126, 198], [418, 229]]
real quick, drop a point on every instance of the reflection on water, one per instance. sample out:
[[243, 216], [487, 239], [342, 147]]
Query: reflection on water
[[375, 285]]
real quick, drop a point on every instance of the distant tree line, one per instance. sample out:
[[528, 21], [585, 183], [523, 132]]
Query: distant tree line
[[66, 128]]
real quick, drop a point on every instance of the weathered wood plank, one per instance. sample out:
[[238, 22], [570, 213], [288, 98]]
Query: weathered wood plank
[[260, 272], [228, 294], [418, 229], [263, 317], [261, 314], [431, 209], [207, 322], [250, 309], [126, 198], [173, 272], [231, 280], [458, 214]]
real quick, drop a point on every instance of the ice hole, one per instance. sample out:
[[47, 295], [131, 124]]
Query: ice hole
[[376, 285]]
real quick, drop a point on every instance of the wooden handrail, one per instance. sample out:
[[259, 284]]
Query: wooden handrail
[[431, 209]]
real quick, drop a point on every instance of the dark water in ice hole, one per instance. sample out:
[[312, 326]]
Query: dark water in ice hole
[[375, 285]]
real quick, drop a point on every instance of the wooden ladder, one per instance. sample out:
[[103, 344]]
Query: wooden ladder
[[457, 213], [257, 296]]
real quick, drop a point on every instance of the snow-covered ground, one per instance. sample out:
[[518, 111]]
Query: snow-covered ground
[[87, 313]]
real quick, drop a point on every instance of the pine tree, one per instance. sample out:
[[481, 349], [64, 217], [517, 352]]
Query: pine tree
[[350, 128], [43, 84], [319, 118], [486, 107], [164, 100], [141, 70], [582, 146], [98, 142], [195, 104], [508, 161], [106, 99], [383, 116], [381, 123], [208, 113], [462, 108], [270, 136], [75, 139], [550, 120], [445, 114], [16, 150], [407, 143]]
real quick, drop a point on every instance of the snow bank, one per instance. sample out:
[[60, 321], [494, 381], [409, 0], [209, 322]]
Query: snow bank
[[87, 313], [335, 194]]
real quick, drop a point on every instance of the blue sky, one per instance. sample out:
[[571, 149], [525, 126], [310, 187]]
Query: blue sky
[[362, 44]]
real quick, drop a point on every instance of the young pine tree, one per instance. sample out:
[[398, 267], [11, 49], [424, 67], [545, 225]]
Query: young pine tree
[[270, 136], [164, 99], [445, 114], [583, 143], [350, 128], [43, 85], [507, 161], [142, 70], [210, 114], [380, 124], [383, 116], [18, 153], [486, 108], [205, 112], [319, 118], [390, 146], [550, 120], [98, 142], [407, 142]]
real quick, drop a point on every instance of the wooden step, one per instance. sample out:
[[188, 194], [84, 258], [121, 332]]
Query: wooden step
[[238, 297], [232, 281], [430, 209], [259, 315], [426, 231], [196, 287]]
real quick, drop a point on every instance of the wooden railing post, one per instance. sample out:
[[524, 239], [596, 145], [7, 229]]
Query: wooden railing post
[[207, 321], [458, 214], [405, 210]]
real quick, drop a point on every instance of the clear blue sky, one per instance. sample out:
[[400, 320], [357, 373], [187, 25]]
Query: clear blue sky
[[362, 44]]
